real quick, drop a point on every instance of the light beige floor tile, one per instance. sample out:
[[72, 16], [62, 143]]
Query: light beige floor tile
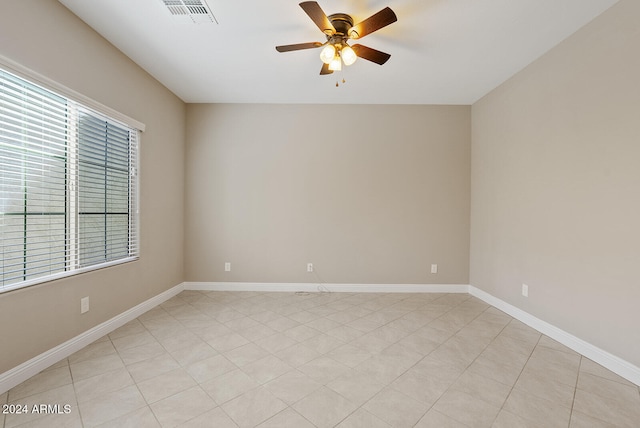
[[551, 371], [281, 323], [483, 388], [500, 353], [297, 355], [323, 324], [535, 409], [140, 353], [324, 407], [466, 409], [276, 343], [323, 369], [492, 369], [517, 330], [41, 382], [545, 388], [418, 343], [132, 327], [215, 329], [547, 342], [382, 369], [242, 323], [111, 405], [165, 385], [63, 395], [152, 367], [257, 333], [287, 418], [95, 366], [395, 408], [292, 386], [96, 349], [616, 412], [435, 419], [323, 343], [609, 388], [447, 350], [182, 407], [94, 387], [210, 368], [301, 333], [588, 366], [227, 342], [363, 419], [141, 418], [245, 354], [266, 369], [344, 333], [133, 340], [580, 420], [507, 419], [215, 418], [176, 338], [265, 317], [553, 356], [426, 390], [356, 387], [514, 345], [229, 386], [303, 316], [253, 407], [192, 354], [71, 420], [436, 369], [371, 343], [459, 351]]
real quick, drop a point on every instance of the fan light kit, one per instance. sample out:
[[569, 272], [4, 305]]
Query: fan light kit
[[339, 29]]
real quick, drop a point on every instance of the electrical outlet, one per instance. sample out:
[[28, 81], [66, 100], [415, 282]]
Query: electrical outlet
[[525, 290], [309, 267], [434, 268], [84, 305], [227, 267]]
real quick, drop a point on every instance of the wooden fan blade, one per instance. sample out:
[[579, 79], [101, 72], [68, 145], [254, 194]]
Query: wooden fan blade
[[371, 54], [373, 23], [325, 69], [298, 46], [318, 16]]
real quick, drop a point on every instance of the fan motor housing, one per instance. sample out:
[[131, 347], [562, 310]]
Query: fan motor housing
[[341, 22]]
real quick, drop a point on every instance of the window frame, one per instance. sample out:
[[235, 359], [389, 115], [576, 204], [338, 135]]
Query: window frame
[[110, 114]]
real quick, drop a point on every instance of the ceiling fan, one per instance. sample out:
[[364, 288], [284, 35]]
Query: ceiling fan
[[339, 29]]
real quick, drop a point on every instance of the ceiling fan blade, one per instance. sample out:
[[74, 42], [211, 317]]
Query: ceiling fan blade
[[325, 69], [371, 54], [298, 46], [373, 23], [318, 16]]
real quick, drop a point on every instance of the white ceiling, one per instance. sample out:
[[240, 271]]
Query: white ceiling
[[442, 51]]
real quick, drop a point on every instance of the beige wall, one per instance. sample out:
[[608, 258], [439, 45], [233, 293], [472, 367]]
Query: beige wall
[[377, 201], [45, 37], [556, 185]]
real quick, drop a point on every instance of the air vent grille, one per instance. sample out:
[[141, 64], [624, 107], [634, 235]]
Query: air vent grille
[[197, 11]]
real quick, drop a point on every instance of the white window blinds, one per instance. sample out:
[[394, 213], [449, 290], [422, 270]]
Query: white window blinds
[[68, 186]]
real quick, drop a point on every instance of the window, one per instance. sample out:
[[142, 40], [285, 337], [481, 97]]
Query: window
[[68, 186]]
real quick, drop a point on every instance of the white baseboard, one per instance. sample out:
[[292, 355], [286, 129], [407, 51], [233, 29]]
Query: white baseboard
[[615, 364], [334, 288], [24, 371]]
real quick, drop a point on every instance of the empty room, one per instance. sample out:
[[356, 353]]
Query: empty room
[[319, 214]]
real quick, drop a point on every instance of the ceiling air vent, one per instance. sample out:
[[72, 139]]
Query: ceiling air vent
[[196, 11]]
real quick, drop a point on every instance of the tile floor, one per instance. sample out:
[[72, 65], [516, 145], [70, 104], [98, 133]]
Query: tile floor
[[248, 359]]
